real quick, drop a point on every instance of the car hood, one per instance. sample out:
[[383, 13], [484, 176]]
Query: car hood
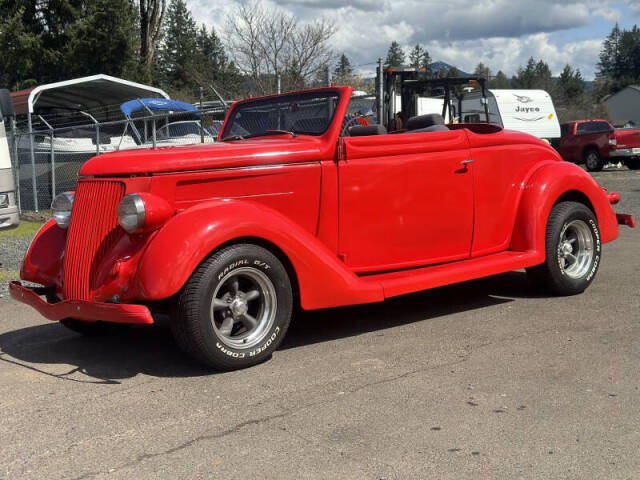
[[232, 154]]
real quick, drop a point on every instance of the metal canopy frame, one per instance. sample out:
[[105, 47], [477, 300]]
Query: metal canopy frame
[[85, 94]]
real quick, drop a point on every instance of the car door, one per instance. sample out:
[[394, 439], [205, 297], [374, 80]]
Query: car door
[[405, 200]]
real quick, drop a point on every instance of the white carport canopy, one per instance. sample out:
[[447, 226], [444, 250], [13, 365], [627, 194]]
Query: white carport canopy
[[94, 93]]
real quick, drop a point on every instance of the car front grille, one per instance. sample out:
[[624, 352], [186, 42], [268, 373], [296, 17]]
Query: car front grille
[[93, 231]]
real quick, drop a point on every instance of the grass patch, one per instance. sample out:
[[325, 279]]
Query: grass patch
[[23, 230], [7, 275]]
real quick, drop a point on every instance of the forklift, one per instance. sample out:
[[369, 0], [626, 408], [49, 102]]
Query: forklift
[[410, 84]]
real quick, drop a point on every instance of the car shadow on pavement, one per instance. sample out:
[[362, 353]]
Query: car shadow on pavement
[[324, 325], [150, 350]]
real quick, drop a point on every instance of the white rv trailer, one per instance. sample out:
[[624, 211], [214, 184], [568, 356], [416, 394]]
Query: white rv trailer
[[426, 105], [9, 215], [528, 111]]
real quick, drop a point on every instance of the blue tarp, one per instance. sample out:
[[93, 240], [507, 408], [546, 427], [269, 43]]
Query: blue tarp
[[156, 104]]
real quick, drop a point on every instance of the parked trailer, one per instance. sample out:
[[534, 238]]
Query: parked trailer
[[9, 215], [528, 111]]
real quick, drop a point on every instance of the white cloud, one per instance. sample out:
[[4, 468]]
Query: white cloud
[[501, 33], [609, 14]]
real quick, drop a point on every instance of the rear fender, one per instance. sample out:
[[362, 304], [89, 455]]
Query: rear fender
[[191, 236], [543, 190]]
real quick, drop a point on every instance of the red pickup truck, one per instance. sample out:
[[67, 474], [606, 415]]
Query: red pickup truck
[[625, 146], [595, 142]]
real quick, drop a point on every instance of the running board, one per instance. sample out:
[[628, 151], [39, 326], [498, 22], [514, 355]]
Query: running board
[[415, 280]]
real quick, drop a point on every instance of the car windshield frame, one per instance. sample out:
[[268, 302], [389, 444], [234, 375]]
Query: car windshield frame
[[281, 105]]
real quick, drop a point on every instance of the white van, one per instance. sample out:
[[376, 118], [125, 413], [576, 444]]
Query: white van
[[528, 111], [8, 208]]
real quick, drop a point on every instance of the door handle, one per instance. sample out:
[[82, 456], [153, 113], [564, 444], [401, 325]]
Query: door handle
[[466, 162]]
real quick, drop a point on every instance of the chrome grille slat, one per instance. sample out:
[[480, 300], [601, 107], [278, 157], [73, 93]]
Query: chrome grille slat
[[92, 232]]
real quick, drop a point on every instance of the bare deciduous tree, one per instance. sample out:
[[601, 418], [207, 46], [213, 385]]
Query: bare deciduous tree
[[266, 43], [151, 17]]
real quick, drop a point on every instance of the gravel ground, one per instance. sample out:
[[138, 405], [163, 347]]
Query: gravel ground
[[13, 245]]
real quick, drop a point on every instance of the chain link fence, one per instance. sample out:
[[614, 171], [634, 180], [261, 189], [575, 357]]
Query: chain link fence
[[46, 161]]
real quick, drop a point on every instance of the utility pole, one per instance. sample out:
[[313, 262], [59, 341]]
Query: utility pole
[[380, 94]]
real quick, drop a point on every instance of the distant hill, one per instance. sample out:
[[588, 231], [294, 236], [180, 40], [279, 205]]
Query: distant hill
[[437, 66]]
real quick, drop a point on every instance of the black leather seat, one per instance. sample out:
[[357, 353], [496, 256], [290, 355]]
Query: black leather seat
[[431, 122], [364, 131]]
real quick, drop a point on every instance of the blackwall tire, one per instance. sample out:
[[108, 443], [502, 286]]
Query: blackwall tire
[[235, 309], [633, 164], [593, 160], [573, 250]]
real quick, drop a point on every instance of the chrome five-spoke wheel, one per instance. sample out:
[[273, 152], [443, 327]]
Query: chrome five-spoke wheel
[[235, 309], [575, 249], [572, 250], [243, 307]]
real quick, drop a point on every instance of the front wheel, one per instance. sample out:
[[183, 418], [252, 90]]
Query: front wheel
[[593, 160], [573, 250], [235, 309]]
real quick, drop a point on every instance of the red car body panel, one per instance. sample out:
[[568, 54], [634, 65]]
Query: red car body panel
[[357, 219]]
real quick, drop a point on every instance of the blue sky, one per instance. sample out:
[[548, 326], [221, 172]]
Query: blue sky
[[503, 34]]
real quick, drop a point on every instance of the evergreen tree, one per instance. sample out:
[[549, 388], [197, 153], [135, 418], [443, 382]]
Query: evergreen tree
[[420, 58], [103, 40], [343, 71], [395, 55], [525, 77], [482, 71], [453, 72], [21, 50], [500, 81], [609, 65], [211, 65], [571, 84], [179, 48]]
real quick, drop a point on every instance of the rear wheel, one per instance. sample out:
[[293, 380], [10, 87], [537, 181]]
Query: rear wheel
[[593, 160], [573, 250], [235, 309], [633, 163]]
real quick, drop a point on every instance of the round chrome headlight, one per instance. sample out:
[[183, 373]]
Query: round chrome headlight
[[131, 213], [61, 208]]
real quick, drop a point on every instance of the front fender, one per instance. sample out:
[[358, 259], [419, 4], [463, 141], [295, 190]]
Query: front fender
[[43, 262], [541, 193], [191, 236]]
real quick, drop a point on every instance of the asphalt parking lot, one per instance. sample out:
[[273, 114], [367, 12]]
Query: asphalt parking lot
[[487, 379]]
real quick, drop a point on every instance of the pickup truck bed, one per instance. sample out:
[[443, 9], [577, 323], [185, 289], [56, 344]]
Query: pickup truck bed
[[625, 146]]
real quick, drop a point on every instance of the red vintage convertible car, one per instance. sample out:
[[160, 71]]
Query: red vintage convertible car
[[293, 209]]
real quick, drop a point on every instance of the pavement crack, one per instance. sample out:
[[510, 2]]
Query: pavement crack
[[189, 443]]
